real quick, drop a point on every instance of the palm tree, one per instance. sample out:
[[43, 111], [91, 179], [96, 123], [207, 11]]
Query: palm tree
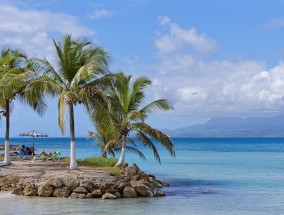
[[106, 140], [128, 118], [78, 77], [15, 75]]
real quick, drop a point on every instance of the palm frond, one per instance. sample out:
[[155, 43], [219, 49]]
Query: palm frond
[[147, 142], [161, 104]]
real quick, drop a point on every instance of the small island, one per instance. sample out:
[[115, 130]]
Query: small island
[[56, 179]]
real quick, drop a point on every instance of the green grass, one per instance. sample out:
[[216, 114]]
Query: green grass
[[102, 163], [98, 161]]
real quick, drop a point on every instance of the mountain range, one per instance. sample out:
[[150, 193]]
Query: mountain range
[[234, 127]]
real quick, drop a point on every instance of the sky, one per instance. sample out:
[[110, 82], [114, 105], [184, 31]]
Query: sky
[[208, 58]]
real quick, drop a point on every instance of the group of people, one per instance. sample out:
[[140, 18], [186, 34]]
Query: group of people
[[28, 150], [31, 151]]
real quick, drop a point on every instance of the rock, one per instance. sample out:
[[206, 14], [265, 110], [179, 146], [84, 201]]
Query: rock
[[80, 190], [129, 192], [71, 182], [132, 170], [45, 190], [109, 196], [30, 190], [89, 196], [117, 194], [136, 177], [28, 181], [77, 195], [97, 193], [121, 186], [87, 184], [158, 193], [140, 188], [62, 192], [18, 191], [207, 191], [56, 182]]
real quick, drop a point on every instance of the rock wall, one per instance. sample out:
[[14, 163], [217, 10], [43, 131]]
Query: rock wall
[[133, 183]]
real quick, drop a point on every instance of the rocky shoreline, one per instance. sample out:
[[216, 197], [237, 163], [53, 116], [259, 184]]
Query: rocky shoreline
[[83, 183]]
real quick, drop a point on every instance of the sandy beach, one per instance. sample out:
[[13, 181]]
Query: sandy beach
[[28, 168]]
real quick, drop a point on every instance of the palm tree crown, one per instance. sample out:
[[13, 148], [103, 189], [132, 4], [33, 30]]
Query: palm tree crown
[[15, 77], [127, 117], [78, 76]]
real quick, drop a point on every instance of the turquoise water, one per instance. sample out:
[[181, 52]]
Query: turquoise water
[[245, 175]]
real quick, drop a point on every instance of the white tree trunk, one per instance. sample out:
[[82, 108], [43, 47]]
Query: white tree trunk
[[73, 162], [122, 155], [7, 155]]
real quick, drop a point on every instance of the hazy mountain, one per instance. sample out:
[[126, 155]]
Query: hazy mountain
[[234, 127]]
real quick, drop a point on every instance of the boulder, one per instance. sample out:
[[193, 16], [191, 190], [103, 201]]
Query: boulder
[[132, 170], [140, 188], [87, 184], [117, 194], [30, 190], [97, 193], [89, 196], [129, 192], [80, 190], [109, 196], [55, 182], [18, 191], [77, 195], [62, 192], [158, 192], [121, 186], [45, 190], [71, 182]]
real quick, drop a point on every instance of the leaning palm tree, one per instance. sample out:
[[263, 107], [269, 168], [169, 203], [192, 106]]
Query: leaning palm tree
[[81, 71], [128, 118], [106, 139], [15, 76]]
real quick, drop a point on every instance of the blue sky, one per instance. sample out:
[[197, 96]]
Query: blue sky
[[209, 58]]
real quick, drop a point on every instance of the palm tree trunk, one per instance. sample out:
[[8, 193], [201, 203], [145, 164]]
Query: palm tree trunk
[[7, 155], [73, 162], [122, 154]]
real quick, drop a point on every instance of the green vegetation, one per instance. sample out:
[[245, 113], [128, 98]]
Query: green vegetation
[[81, 76], [78, 79], [98, 161], [16, 75], [124, 116]]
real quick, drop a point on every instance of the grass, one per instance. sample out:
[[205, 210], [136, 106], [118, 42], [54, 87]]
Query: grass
[[106, 164], [98, 161]]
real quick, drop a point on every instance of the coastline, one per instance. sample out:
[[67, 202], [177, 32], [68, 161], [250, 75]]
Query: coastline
[[55, 179]]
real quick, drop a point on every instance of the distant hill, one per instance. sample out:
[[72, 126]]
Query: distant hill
[[234, 127]]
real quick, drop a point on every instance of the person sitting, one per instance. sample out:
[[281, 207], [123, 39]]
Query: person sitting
[[46, 154], [30, 150], [24, 150]]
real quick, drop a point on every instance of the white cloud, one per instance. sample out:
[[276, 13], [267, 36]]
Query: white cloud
[[204, 89], [100, 14], [33, 30], [179, 39], [228, 87]]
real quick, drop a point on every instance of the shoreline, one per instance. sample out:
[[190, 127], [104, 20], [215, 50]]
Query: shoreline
[[56, 179]]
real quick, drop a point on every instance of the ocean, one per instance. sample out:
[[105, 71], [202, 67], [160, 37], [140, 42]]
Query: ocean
[[222, 176]]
